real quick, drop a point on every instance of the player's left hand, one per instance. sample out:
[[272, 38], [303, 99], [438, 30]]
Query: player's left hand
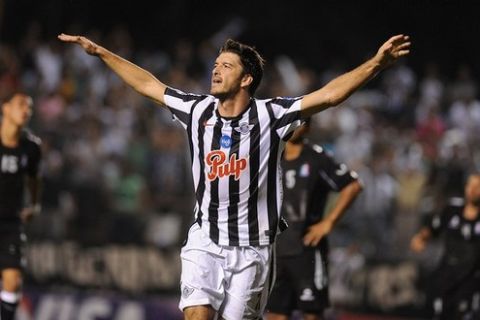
[[394, 48], [88, 45], [316, 232]]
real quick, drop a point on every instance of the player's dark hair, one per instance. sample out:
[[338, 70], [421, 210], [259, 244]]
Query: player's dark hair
[[251, 60], [9, 96]]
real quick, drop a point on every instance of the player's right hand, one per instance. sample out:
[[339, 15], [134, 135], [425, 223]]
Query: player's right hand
[[88, 45], [418, 243], [394, 48]]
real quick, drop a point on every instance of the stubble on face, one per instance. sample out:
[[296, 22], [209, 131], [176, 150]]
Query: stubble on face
[[226, 75]]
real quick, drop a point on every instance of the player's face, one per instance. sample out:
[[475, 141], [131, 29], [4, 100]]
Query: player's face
[[18, 110], [472, 190], [227, 75]]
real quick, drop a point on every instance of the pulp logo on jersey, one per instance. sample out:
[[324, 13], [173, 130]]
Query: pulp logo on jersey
[[221, 167]]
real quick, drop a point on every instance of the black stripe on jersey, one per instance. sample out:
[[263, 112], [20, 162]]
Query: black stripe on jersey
[[189, 130], [234, 187], [284, 102], [180, 115], [286, 119], [254, 167], [272, 177], [214, 199], [185, 97], [207, 114]]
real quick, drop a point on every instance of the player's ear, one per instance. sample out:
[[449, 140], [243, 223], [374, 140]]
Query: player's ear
[[247, 80]]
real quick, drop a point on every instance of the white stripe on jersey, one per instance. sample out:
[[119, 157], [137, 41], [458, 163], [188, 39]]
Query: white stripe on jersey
[[236, 164]]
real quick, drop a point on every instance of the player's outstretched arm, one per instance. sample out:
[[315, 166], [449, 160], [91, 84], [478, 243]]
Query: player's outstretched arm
[[34, 189], [139, 79], [316, 232], [340, 88]]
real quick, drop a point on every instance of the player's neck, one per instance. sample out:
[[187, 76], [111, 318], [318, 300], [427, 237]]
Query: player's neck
[[471, 211], [292, 151], [233, 106], [9, 134]]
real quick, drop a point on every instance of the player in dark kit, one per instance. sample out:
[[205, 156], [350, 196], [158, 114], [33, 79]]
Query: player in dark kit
[[19, 162], [455, 292], [309, 174]]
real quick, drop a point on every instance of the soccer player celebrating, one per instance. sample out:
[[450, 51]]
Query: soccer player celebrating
[[19, 159], [309, 175], [236, 142], [455, 292]]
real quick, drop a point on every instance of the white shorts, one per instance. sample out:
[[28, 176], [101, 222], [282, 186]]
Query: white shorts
[[235, 281]]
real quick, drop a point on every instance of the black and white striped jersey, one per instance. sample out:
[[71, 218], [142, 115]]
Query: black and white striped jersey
[[236, 164]]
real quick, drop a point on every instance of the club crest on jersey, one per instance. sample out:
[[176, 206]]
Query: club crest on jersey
[[225, 142], [244, 128], [23, 161], [221, 167], [304, 170], [477, 228]]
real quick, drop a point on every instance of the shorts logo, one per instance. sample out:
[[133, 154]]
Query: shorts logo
[[187, 291], [220, 167], [226, 142], [307, 295]]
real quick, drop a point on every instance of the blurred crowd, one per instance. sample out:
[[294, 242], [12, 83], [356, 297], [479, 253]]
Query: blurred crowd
[[117, 169]]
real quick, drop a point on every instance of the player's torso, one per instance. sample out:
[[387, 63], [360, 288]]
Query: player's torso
[[304, 194], [13, 161], [462, 237], [230, 154], [13, 167], [303, 203]]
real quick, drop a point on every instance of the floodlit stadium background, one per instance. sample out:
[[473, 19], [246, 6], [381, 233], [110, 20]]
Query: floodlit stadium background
[[117, 187]]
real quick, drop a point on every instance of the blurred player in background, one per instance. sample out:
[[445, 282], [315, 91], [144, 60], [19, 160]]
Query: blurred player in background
[[236, 142], [455, 292], [309, 175], [20, 156]]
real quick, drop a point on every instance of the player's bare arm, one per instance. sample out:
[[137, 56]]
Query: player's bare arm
[[340, 88], [321, 229], [34, 188], [139, 79]]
